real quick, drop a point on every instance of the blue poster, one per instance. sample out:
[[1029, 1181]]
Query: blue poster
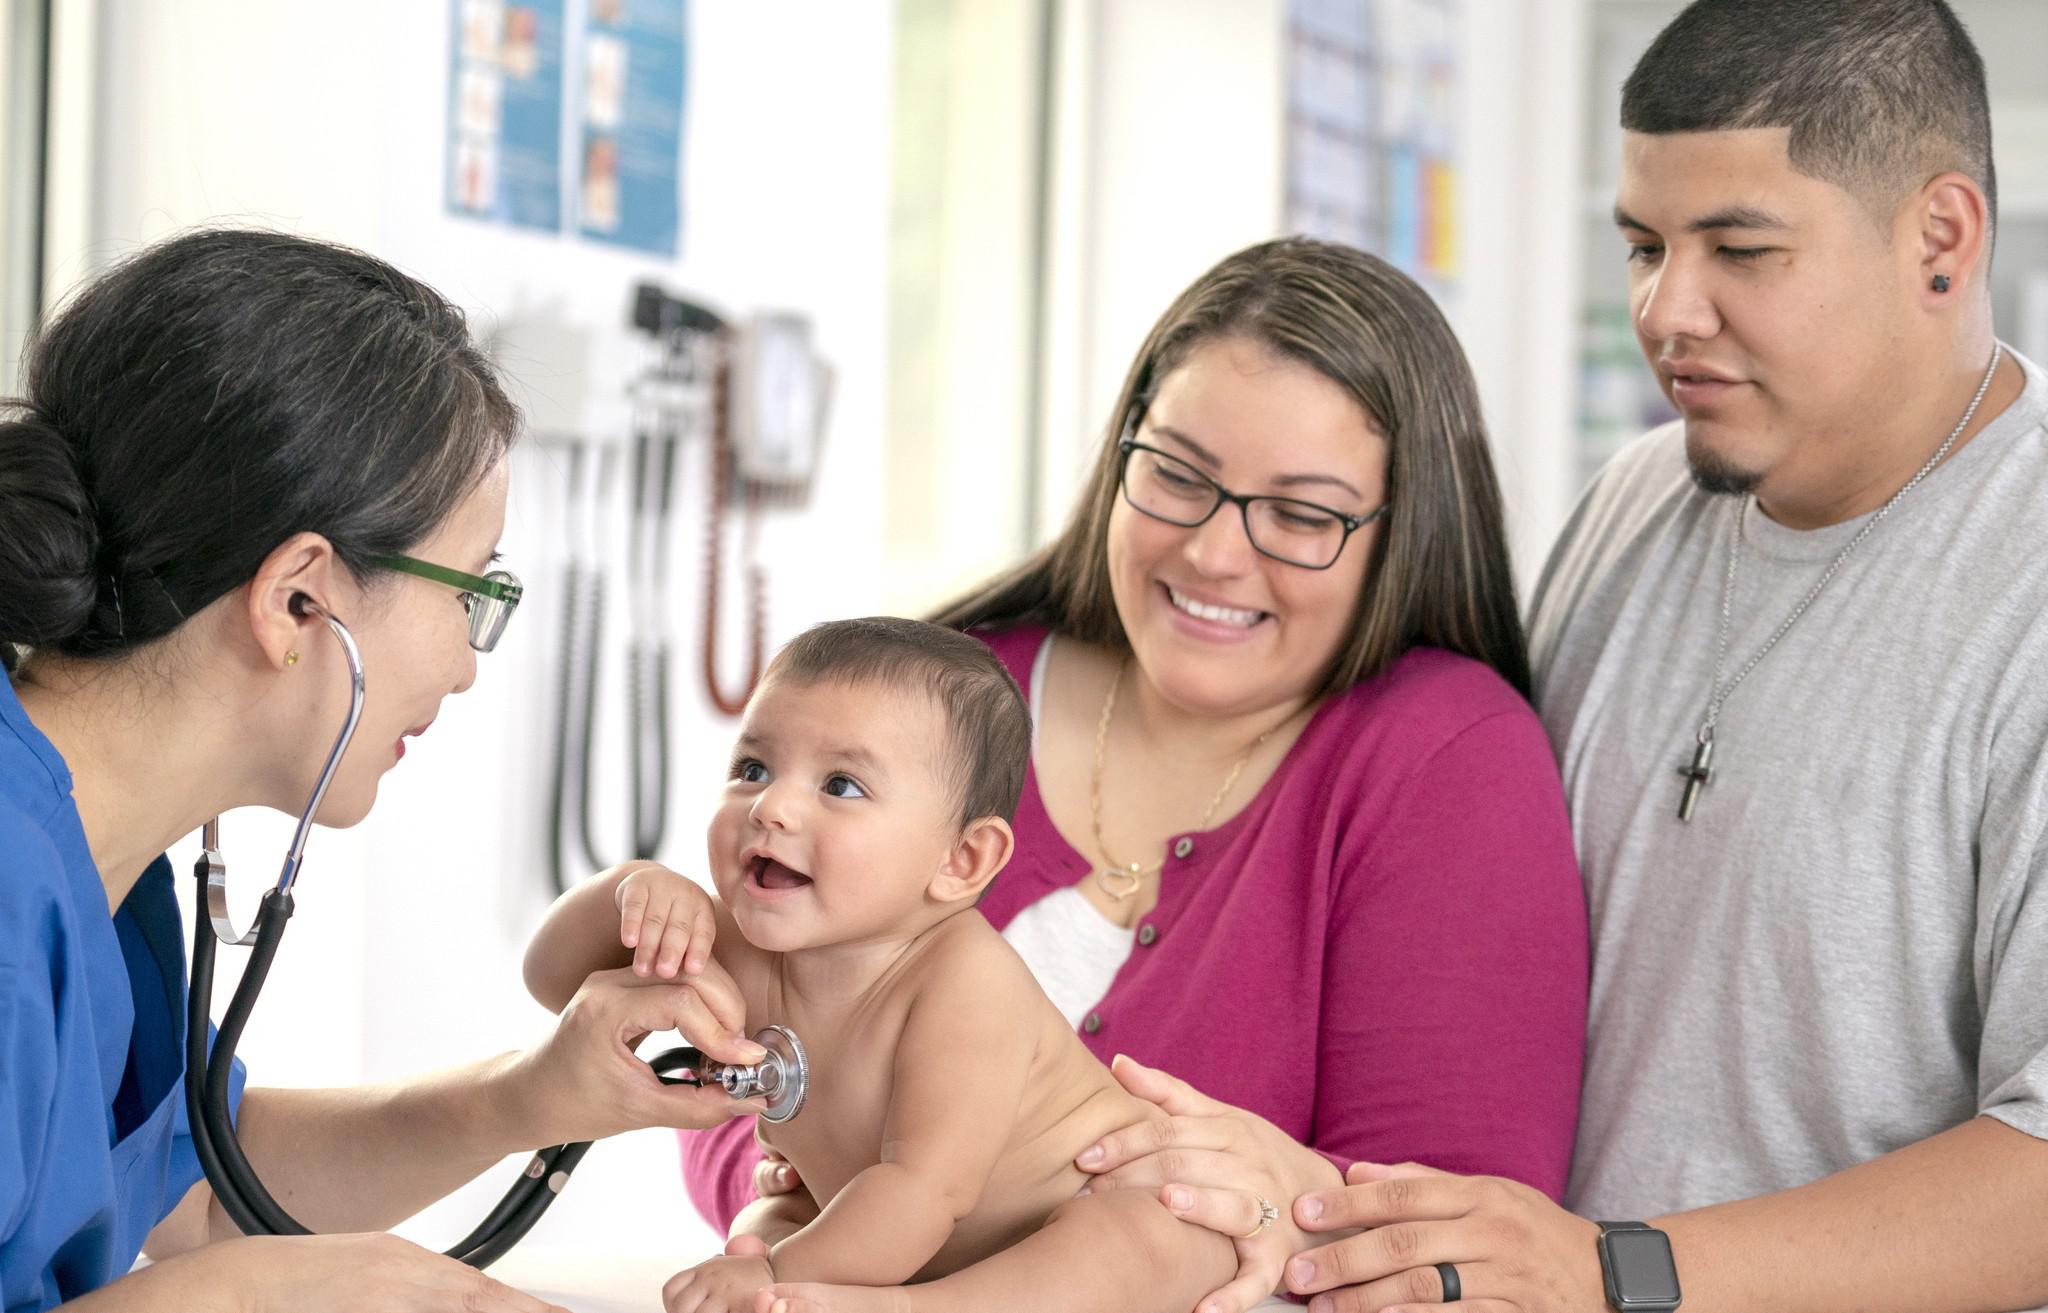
[[505, 112], [631, 154]]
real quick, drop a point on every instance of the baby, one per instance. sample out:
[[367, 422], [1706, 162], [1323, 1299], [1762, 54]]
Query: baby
[[866, 808]]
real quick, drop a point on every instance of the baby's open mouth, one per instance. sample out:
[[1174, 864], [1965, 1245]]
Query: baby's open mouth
[[764, 872]]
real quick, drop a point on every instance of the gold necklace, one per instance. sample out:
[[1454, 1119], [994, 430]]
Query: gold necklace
[[1120, 880]]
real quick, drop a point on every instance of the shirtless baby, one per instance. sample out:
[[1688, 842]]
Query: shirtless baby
[[866, 808]]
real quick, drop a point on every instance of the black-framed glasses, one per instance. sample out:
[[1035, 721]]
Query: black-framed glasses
[[490, 598], [1302, 533]]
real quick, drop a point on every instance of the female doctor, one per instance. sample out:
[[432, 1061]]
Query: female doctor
[[224, 440]]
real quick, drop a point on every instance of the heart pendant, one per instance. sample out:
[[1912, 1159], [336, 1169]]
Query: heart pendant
[[1118, 882]]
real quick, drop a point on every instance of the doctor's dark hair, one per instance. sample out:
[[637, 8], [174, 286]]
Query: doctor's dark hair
[[985, 715], [1879, 95], [1439, 573], [206, 399]]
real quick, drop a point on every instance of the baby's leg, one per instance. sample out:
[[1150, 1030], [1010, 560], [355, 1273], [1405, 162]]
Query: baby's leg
[[1115, 1252]]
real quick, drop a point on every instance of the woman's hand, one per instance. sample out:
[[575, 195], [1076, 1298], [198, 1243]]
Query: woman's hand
[[1512, 1247], [584, 1081], [1212, 1165]]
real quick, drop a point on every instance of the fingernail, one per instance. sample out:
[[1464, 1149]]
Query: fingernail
[[1179, 1200], [1086, 1189], [1090, 1156], [1301, 1272], [1311, 1209]]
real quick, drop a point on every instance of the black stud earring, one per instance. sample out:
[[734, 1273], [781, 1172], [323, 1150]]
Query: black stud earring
[[1941, 282]]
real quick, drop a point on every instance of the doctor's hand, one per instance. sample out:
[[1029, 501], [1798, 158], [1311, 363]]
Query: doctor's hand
[[361, 1273], [1511, 1246], [584, 1082], [1212, 1164]]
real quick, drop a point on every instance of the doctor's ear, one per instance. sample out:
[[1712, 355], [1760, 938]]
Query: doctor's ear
[[981, 850], [300, 578]]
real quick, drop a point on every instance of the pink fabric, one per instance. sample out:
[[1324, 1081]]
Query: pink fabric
[[1384, 954]]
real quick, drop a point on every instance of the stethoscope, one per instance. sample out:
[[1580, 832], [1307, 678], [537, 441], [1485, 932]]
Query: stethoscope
[[782, 1078]]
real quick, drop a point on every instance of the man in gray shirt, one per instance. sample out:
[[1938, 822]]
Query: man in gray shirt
[[1792, 651]]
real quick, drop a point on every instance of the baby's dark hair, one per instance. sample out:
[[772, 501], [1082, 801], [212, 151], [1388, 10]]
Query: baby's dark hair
[[985, 714]]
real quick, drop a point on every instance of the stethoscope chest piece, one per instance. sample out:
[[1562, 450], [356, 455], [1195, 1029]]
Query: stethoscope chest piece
[[783, 1077]]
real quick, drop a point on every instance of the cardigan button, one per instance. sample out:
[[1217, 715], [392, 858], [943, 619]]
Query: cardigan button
[[1147, 933], [1183, 846], [1093, 1023]]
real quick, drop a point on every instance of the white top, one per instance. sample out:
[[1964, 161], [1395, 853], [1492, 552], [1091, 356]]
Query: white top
[[1073, 949]]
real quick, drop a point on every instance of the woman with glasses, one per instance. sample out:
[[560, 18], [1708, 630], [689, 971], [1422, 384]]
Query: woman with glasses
[[1292, 832], [223, 441]]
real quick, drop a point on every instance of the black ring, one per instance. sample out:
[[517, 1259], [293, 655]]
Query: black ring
[[1453, 1288]]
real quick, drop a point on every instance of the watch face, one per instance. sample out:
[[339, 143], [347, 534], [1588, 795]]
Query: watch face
[[1644, 1274]]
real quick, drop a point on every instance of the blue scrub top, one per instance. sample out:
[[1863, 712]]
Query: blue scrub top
[[94, 1146]]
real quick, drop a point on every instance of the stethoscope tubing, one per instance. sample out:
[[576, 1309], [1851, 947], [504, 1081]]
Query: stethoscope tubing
[[236, 1186]]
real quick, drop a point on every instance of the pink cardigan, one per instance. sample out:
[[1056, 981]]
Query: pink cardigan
[[1384, 954]]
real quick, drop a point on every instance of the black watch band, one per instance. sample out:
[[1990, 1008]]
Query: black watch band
[[1636, 1264]]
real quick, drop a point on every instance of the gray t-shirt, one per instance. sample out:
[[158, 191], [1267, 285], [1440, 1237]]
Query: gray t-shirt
[[1846, 949]]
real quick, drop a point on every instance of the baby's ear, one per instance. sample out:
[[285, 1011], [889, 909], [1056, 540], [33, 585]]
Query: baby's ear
[[980, 851]]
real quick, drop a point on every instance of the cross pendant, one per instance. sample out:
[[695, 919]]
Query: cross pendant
[[1698, 772]]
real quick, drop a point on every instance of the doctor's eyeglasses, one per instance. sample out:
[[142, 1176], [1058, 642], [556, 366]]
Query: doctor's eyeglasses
[[490, 599]]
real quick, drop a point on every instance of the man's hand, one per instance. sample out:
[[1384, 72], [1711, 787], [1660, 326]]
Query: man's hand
[[1512, 1247]]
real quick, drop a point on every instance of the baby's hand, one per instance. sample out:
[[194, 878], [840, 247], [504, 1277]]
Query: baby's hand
[[720, 1285], [666, 920]]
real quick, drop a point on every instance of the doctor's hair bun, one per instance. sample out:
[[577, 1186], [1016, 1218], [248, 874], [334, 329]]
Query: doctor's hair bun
[[48, 538]]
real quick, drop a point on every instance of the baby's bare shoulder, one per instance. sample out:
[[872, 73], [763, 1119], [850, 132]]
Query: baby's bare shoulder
[[965, 958]]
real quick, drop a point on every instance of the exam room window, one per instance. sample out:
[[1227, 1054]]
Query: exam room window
[[24, 101]]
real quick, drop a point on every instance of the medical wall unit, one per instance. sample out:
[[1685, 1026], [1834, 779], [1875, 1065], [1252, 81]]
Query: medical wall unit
[[676, 394]]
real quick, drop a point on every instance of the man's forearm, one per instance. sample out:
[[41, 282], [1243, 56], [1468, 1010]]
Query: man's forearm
[[1952, 1223], [879, 1231], [366, 1158]]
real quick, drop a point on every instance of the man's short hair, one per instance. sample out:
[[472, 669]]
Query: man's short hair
[[1879, 95], [985, 715]]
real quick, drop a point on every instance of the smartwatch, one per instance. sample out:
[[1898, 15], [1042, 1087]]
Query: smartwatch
[[1636, 1263]]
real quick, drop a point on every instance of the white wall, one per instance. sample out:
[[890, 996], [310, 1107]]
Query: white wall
[[329, 120], [1168, 159]]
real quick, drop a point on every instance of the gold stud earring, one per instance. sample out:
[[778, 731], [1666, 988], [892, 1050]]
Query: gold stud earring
[[291, 658]]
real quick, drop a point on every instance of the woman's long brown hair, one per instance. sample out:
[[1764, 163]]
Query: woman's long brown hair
[[1440, 573]]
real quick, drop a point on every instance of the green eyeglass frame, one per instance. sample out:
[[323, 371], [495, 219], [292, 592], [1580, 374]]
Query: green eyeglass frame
[[490, 598]]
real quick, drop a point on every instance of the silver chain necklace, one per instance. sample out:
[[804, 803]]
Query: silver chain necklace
[[1701, 768]]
